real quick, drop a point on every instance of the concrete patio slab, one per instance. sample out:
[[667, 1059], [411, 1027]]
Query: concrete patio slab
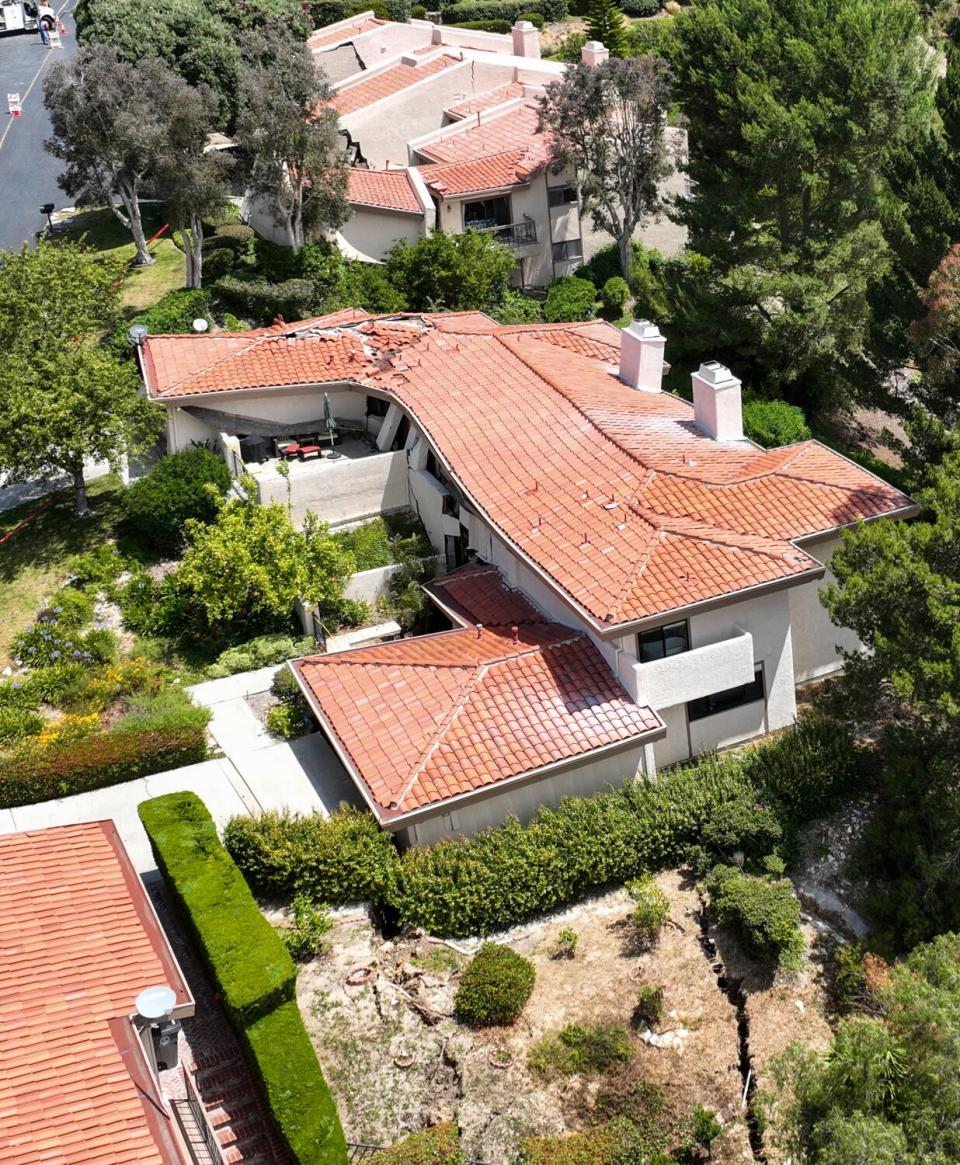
[[302, 776]]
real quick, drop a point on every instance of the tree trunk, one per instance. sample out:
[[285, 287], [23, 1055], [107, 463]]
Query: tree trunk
[[81, 505], [625, 251], [144, 258], [193, 253]]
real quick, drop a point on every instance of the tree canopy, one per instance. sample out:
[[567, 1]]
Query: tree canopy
[[608, 125], [446, 272], [64, 400], [289, 132], [797, 112]]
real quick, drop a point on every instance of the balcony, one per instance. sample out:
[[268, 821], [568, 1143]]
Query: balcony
[[517, 234], [678, 679]]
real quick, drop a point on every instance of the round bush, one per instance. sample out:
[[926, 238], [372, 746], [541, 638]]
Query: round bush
[[534, 18], [157, 505], [234, 230], [495, 987], [615, 293], [218, 262], [570, 299], [640, 7]]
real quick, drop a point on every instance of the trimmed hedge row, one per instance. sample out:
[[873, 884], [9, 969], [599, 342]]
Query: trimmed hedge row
[[253, 971], [751, 801], [93, 762], [510, 10]]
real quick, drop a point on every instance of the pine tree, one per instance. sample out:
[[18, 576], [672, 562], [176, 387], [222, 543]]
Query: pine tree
[[606, 24]]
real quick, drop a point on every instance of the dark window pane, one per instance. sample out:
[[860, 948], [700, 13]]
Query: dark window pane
[[675, 639], [730, 698], [650, 645]]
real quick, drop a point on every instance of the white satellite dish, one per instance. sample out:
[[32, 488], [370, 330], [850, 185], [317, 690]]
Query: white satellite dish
[[200, 325], [156, 1002]]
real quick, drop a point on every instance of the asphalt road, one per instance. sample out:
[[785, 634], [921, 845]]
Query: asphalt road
[[28, 174]]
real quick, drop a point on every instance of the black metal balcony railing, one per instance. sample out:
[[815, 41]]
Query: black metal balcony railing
[[517, 234]]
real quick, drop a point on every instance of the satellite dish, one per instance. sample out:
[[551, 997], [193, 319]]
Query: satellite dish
[[137, 334], [200, 325], [156, 1002]]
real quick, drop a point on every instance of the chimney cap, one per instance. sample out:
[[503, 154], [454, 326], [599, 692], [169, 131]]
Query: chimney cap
[[595, 46], [644, 330], [713, 372], [524, 25]]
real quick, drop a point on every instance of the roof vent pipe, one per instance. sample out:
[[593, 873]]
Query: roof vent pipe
[[479, 630], [641, 356], [516, 634], [717, 407]]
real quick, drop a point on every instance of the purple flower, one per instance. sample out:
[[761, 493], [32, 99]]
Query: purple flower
[[54, 654]]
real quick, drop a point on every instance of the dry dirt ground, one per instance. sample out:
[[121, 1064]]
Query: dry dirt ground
[[397, 1060]]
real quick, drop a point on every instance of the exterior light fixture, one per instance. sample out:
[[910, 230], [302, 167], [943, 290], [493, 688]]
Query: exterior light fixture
[[137, 334]]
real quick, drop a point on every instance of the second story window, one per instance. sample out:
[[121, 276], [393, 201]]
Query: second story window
[[568, 249], [671, 639], [490, 212], [561, 195]]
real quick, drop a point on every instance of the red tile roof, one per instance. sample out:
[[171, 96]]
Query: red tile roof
[[613, 494], [477, 594], [78, 942], [515, 129], [493, 173], [323, 38], [367, 90], [385, 189], [426, 719]]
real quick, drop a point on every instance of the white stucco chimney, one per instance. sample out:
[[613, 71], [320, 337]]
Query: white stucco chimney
[[641, 356], [593, 53], [717, 408], [526, 40]]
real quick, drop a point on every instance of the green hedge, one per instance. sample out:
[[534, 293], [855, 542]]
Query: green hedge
[[437, 1146], [511, 10], [253, 971], [751, 801], [93, 762]]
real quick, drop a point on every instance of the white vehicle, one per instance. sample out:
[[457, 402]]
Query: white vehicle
[[25, 16]]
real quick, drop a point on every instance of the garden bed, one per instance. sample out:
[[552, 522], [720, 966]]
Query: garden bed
[[366, 1027]]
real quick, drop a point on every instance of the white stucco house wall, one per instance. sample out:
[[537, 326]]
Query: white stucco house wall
[[630, 581]]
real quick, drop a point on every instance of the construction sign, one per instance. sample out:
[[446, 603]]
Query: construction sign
[[14, 104]]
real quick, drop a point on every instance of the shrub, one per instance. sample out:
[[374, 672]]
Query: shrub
[[576, 1049], [353, 612], [566, 945], [764, 914], [265, 301], [218, 261], [615, 293], [45, 686], [93, 762], [309, 923], [289, 720], [494, 988], [369, 544], [71, 608], [537, 19], [172, 314], [236, 231], [615, 1143], [648, 1010], [254, 973], [99, 567], [171, 707], [180, 486], [570, 298], [343, 858], [743, 824], [418, 12], [704, 1126], [17, 723], [501, 26], [652, 908], [259, 652], [50, 642], [516, 308], [640, 7], [436, 1146], [773, 422], [508, 10]]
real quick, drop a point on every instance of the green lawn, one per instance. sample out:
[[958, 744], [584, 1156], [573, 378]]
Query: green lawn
[[33, 564], [143, 286]]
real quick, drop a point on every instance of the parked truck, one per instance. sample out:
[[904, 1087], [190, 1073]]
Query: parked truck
[[25, 16]]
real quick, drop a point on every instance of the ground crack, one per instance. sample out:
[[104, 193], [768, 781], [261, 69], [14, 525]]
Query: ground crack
[[733, 989]]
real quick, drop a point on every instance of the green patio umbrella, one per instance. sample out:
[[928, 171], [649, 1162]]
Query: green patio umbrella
[[330, 423]]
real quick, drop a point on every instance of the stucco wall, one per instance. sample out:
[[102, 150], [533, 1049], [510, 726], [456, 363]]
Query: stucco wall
[[183, 430], [342, 491], [371, 233], [815, 638], [280, 407], [524, 800]]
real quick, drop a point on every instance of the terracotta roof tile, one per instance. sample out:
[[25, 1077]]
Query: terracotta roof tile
[[492, 173], [613, 494], [386, 189], [515, 129], [78, 942], [434, 717], [367, 90], [485, 101]]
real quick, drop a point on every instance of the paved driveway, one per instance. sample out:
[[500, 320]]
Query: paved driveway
[[28, 174]]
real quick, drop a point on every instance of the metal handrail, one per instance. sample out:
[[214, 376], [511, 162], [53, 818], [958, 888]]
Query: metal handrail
[[197, 1108], [516, 234]]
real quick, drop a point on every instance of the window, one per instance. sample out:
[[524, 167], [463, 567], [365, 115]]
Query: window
[[568, 249], [561, 195], [377, 407], [671, 639], [731, 698], [490, 212]]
